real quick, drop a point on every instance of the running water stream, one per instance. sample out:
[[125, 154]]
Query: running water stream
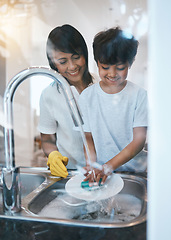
[[86, 147]]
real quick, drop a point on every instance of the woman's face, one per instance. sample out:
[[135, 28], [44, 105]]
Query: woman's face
[[71, 66]]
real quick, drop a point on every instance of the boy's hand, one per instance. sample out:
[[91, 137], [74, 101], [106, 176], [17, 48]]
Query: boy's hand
[[57, 163], [96, 174]]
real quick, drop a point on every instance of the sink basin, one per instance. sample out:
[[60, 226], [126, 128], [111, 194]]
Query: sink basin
[[29, 182], [127, 208]]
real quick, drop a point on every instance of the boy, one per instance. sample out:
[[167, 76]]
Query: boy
[[114, 110]]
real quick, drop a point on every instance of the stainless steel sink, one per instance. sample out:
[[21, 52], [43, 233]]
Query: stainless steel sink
[[29, 182], [135, 188], [40, 189]]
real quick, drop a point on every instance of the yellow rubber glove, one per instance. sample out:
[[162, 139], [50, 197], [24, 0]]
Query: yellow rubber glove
[[56, 163]]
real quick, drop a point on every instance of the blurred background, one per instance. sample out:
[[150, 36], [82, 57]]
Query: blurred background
[[24, 28]]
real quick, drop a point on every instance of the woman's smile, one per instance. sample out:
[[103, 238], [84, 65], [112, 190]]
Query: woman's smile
[[74, 73]]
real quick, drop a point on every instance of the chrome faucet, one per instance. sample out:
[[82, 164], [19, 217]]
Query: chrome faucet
[[11, 173]]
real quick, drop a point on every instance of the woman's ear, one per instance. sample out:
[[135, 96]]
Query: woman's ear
[[52, 64]]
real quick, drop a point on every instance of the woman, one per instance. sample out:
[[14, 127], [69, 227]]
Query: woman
[[67, 53]]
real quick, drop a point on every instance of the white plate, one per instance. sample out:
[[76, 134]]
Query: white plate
[[111, 187]]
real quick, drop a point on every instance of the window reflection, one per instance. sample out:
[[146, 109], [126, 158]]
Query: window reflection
[[24, 27]]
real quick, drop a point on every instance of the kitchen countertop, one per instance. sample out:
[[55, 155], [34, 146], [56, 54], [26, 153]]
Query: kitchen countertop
[[35, 230]]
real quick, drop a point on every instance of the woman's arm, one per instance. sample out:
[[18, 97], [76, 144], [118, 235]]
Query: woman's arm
[[48, 142]]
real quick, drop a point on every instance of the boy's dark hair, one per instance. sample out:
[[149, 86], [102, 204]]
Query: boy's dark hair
[[67, 39], [113, 46]]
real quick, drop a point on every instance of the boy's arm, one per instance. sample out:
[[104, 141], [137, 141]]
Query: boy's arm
[[131, 150]]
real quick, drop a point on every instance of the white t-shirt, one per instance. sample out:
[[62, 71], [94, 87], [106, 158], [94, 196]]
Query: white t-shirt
[[111, 119], [55, 117]]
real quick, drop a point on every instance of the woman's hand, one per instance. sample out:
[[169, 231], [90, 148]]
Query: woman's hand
[[57, 163]]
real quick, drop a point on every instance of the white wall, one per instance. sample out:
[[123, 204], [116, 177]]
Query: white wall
[[159, 162]]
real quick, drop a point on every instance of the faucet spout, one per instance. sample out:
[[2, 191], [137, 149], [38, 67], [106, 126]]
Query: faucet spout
[[14, 205], [8, 106]]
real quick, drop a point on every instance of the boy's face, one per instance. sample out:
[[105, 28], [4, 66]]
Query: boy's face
[[113, 76]]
